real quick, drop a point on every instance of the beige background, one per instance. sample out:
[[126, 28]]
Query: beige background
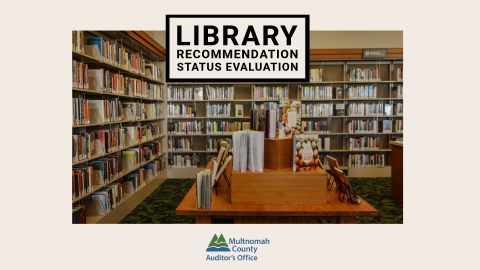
[[335, 39]]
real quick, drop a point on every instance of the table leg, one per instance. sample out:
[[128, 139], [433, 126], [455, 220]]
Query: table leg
[[203, 219], [348, 220]]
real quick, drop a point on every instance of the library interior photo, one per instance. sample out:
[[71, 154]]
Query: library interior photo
[[148, 151]]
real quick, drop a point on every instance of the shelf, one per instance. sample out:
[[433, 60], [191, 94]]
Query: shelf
[[345, 99], [348, 116], [272, 83], [194, 151], [114, 151], [130, 201], [85, 160], [124, 172], [183, 172], [340, 150], [320, 134], [112, 94], [117, 122], [207, 117], [185, 135], [101, 63], [294, 99]]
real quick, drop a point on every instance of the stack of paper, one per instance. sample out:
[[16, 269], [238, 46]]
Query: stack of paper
[[248, 148]]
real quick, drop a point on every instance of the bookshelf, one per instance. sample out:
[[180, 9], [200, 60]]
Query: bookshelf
[[149, 52], [335, 74]]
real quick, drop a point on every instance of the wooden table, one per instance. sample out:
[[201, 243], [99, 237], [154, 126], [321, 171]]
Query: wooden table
[[343, 213], [397, 172]]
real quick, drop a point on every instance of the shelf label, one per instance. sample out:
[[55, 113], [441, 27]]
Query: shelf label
[[238, 48], [374, 53]]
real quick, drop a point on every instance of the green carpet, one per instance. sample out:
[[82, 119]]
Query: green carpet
[[159, 207]]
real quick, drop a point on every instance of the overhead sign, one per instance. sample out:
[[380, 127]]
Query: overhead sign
[[374, 53], [238, 48]]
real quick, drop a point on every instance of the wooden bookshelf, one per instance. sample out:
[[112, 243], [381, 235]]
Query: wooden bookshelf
[[131, 45], [335, 74]]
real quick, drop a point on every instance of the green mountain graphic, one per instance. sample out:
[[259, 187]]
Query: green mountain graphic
[[218, 244], [218, 241]]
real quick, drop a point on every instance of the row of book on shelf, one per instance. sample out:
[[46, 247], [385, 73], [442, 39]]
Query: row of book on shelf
[[184, 127], [179, 144], [183, 161], [92, 142], [352, 92], [212, 143], [225, 127], [189, 93], [280, 93], [106, 81], [185, 144], [107, 110], [223, 110], [364, 75], [270, 92], [371, 126], [114, 53], [366, 160], [100, 172]]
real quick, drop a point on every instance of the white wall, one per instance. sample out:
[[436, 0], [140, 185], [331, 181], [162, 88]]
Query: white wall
[[335, 39]]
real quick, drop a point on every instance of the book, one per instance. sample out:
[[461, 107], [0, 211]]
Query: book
[[238, 110], [258, 119], [204, 185], [291, 118], [248, 148], [387, 126], [198, 93], [339, 93], [398, 92], [96, 41], [388, 109], [398, 126], [316, 74], [271, 123], [340, 109], [398, 109], [305, 152], [398, 74], [78, 214]]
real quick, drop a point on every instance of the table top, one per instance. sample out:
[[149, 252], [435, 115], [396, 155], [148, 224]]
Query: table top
[[396, 144], [221, 205]]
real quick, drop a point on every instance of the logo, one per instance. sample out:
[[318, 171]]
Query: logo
[[367, 53], [218, 244]]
